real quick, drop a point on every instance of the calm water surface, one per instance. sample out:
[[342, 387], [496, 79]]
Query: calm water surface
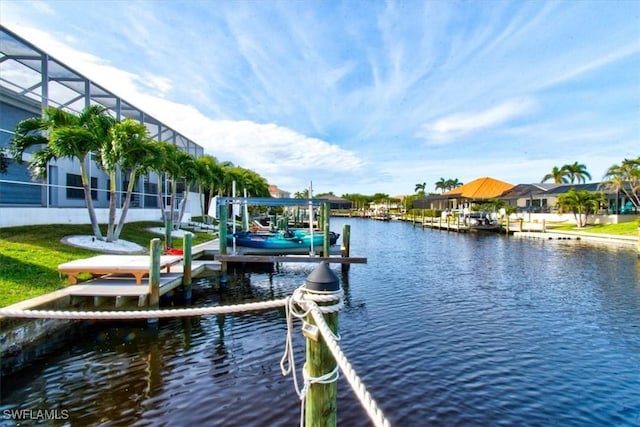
[[444, 329]]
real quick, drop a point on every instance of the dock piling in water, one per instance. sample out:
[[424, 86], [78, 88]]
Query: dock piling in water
[[321, 408], [326, 210]]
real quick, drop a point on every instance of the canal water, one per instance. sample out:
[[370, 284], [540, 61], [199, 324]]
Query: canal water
[[444, 329]]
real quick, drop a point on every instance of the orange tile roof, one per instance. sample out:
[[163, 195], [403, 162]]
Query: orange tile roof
[[481, 188]]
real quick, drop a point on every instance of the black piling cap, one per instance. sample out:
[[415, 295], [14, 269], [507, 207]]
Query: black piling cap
[[323, 279]]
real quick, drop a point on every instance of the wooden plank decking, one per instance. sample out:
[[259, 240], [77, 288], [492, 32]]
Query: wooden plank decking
[[124, 288]]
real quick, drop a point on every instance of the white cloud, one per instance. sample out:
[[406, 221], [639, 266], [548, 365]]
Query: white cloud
[[273, 151], [455, 126]]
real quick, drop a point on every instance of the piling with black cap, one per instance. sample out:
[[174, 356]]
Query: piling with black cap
[[321, 407]]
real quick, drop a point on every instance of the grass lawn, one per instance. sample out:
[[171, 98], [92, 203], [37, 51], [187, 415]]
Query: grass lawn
[[29, 256], [624, 229]]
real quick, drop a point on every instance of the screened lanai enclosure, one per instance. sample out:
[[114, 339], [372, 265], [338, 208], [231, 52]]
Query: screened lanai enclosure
[[30, 80]]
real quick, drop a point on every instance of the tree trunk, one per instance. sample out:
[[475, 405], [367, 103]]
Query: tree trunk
[[183, 207], [161, 200], [172, 199], [89, 202], [125, 206], [201, 197], [112, 208]]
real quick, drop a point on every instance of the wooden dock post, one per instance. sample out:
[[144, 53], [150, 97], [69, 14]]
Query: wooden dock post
[[321, 407], [638, 240], [186, 261], [544, 226], [507, 226], [346, 245], [326, 244], [154, 275]]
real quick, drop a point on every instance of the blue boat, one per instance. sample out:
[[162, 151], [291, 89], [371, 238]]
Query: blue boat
[[279, 242]]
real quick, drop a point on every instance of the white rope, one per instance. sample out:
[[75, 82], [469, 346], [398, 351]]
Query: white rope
[[142, 314], [306, 299], [302, 296], [375, 414]]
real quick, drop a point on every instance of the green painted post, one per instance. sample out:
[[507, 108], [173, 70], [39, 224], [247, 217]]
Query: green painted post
[[154, 273], [186, 261], [321, 407], [168, 227], [325, 227]]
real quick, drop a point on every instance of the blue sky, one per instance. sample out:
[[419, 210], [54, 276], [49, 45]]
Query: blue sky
[[366, 96]]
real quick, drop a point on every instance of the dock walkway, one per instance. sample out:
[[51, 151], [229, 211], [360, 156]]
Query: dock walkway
[[124, 289]]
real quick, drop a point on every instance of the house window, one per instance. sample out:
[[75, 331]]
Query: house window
[[150, 194], [75, 190]]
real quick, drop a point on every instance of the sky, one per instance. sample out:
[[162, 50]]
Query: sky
[[366, 96]]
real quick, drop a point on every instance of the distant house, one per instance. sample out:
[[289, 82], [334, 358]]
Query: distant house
[[530, 197], [277, 193], [543, 198], [477, 191], [336, 202]]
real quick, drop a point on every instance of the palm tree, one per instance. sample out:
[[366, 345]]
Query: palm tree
[[577, 172], [625, 177], [441, 185], [421, 189], [178, 166], [209, 177], [159, 167], [454, 183], [558, 175], [256, 185], [188, 172], [140, 156], [128, 147], [61, 134], [581, 203]]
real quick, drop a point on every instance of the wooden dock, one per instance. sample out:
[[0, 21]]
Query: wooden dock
[[124, 291]]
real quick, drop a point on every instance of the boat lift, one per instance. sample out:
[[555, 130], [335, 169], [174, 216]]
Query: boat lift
[[244, 202]]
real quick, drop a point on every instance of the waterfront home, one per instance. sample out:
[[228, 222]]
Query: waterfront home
[[475, 192]]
